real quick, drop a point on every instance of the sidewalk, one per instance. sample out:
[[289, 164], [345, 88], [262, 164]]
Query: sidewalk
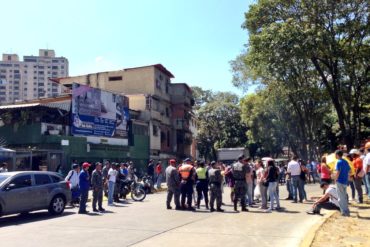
[[341, 231]]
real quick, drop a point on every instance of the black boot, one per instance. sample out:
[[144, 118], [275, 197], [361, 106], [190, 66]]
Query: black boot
[[235, 205], [220, 210], [212, 209]]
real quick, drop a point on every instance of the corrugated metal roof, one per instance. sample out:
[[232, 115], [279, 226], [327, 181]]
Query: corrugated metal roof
[[63, 105]]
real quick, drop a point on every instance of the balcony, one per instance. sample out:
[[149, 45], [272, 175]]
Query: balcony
[[181, 124]]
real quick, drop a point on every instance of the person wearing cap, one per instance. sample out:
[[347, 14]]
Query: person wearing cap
[[97, 187], [187, 174], [215, 183], [173, 185], [328, 201], [239, 171], [359, 172], [201, 186], [73, 178], [84, 182], [342, 169], [366, 166]]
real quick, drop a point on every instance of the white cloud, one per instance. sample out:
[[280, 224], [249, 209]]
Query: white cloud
[[99, 59]]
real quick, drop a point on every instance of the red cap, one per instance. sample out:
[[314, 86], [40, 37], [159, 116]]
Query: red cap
[[85, 165], [172, 161]]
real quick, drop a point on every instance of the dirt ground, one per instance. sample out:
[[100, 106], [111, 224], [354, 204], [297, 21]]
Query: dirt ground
[[346, 231]]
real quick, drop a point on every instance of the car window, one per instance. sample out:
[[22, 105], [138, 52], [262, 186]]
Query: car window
[[41, 179], [56, 179], [3, 177], [21, 181]]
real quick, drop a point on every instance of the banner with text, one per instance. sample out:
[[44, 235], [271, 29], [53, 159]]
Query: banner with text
[[96, 112]]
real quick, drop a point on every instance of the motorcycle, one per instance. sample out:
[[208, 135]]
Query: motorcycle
[[131, 186], [147, 183]]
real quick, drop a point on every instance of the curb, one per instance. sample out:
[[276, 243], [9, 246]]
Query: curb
[[310, 236]]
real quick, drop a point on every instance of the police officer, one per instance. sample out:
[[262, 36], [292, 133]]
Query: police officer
[[215, 182], [239, 171], [187, 171], [97, 186], [201, 183], [173, 185]]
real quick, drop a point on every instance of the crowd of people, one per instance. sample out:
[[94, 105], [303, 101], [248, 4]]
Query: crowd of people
[[103, 180], [257, 182]]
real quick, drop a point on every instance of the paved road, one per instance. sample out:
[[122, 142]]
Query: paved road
[[148, 223]]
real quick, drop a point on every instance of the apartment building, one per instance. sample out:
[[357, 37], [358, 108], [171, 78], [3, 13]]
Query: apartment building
[[150, 91], [29, 79]]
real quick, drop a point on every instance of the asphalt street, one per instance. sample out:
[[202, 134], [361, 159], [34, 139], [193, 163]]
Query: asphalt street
[[149, 223]]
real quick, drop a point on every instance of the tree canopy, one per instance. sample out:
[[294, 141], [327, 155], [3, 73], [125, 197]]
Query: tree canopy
[[314, 56]]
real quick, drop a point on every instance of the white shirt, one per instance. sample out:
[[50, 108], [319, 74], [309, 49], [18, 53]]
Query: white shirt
[[72, 177], [259, 174], [3, 170], [294, 168], [366, 162], [333, 195], [112, 175]]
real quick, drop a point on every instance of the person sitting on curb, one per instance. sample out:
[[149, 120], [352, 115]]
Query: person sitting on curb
[[328, 201]]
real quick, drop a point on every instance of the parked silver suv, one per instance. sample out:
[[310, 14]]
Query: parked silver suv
[[22, 192]]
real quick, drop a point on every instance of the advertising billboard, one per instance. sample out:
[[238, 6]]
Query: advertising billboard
[[96, 112]]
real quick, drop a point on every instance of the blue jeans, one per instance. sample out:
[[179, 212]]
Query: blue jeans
[[159, 181], [273, 195], [298, 184], [110, 192], [367, 176], [249, 194], [289, 188], [364, 180], [343, 198]]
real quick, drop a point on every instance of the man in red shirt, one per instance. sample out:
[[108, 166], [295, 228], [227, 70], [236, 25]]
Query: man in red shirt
[[158, 172], [359, 173]]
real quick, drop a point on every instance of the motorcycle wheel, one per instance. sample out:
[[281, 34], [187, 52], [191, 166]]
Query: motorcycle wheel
[[138, 194]]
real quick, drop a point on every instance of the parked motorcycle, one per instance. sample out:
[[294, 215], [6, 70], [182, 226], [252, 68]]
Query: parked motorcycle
[[131, 186], [147, 183]]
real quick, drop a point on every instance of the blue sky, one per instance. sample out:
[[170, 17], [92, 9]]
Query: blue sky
[[194, 39]]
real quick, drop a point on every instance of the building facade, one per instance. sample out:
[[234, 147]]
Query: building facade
[[29, 79], [162, 104]]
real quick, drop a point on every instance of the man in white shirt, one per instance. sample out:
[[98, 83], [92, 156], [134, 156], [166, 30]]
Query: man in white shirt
[[328, 201], [295, 171], [366, 167], [73, 178], [112, 174], [4, 167]]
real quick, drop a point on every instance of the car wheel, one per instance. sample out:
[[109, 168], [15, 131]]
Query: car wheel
[[57, 205]]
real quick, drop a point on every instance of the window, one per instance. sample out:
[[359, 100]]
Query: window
[[46, 53], [30, 60], [41, 67], [56, 179], [41, 179], [9, 58], [167, 88], [167, 112], [168, 138], [155, 130], [55, 61], [54, 67], [21, 182], [157, 83], [115, 78]]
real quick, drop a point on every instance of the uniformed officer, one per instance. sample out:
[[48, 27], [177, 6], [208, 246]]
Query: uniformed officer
[[201, 183], [215, 182], [239, 171], [173, 185], [187, 171]]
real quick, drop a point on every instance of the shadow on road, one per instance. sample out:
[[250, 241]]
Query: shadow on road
[[19, 219]]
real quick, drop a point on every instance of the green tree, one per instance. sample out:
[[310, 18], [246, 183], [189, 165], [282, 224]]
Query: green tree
[[219, 122], [320, 44]]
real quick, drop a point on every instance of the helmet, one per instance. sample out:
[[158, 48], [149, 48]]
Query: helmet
[[354, 151]]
